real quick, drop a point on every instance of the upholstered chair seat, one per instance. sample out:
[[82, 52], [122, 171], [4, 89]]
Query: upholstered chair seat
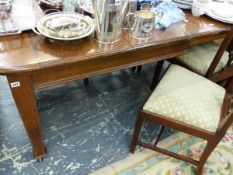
[[191, 103], [200, 57], [187, 97]]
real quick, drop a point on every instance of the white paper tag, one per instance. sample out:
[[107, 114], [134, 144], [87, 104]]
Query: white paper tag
[[15, 84]]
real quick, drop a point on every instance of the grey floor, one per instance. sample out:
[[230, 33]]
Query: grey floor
[[84, 128]]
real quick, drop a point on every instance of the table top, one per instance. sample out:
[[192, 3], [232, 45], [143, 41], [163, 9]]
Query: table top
[[30, 52]]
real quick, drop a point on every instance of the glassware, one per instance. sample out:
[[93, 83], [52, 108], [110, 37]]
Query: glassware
[[198, 7]]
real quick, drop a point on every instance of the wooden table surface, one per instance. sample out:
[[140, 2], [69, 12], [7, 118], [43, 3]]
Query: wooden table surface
[[28, 51], [30, 61]]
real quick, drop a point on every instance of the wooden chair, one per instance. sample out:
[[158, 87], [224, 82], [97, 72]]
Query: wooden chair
[[189, 103], [208, 60]]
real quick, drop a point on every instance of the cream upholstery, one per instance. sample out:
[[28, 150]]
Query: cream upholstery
[[187, 97], [200, 57]]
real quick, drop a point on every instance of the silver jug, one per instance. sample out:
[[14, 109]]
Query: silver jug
[[128, 7], [108, 20]]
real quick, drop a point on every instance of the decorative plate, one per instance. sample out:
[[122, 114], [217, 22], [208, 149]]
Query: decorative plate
[[65, 26], [221, 11]]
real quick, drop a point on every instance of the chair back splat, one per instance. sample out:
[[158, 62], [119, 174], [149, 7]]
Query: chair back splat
[[227, 72]]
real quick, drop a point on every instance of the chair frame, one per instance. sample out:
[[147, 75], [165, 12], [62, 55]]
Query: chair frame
[[227, 72], [223, 75], [227, 45], [226, 119]]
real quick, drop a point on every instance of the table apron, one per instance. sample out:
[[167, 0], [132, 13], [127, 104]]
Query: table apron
[[206, 38], [82, 69]]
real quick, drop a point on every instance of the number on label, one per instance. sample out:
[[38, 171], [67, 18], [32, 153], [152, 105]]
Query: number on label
[[15, 84]]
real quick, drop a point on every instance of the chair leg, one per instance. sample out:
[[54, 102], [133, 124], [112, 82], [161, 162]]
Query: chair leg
[[206, 153], [133, 69], [139, 69], [137, 131], [157, 71], [229, 84], [160, 134], [86, 82]]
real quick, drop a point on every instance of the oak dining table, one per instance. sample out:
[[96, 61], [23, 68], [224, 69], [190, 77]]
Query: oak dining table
[[31, 61]]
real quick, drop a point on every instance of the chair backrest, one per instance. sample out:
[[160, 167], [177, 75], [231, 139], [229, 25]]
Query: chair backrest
[[227, 45], [227, 74], [226, 119]]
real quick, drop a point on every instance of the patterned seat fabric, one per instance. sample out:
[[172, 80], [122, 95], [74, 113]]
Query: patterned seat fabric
[[200, 57], [187, 97]]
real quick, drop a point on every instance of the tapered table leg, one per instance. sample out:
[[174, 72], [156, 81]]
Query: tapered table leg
[[25, 99]]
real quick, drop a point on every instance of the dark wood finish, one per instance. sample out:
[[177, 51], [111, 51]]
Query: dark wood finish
[[137, 130], [225, 46], [25, 101], [139, 69], [169, 123], [37, 62], [157, 71], [133, 69], [186, 159], [159, 136], [107, 63], [86, 81], [48, 5], [229, 85]]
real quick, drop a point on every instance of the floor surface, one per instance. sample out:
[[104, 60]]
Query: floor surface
[[84, 128]]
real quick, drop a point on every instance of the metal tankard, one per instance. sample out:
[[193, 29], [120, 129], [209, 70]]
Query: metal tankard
[[143, 25]]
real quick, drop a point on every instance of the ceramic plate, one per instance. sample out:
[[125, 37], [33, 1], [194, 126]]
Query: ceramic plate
[[223, 10], [218, 11], [65, 26]]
